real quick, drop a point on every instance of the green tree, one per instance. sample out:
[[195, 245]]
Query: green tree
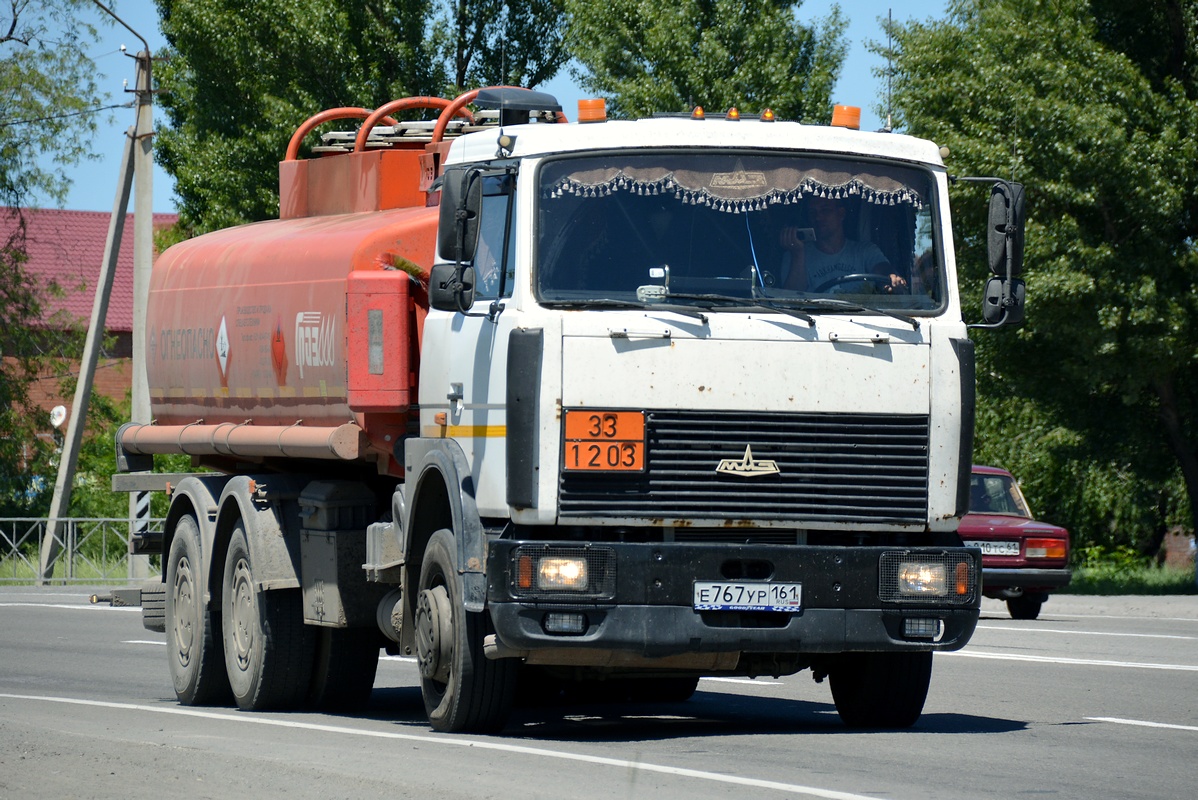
[[752, 54], [487, 42], [47, 119], [1094, 105], [241, 77]]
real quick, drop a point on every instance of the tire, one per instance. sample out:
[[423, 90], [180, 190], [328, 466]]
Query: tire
[[1025, 606], [881, 690], [463, 690], [153, 607], [194, 651], [269, 652], [347, 660]]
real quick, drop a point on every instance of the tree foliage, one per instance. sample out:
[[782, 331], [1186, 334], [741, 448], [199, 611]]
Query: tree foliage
[[1093, 106], [47, 118], [752, 54], [240, 78], [492, 42]]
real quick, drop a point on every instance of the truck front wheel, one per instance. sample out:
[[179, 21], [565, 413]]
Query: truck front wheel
[[462, 689], [880, 690], [269, 652], [193, 644]]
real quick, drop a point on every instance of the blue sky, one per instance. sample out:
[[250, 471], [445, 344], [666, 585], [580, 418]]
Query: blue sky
[[95, 182]]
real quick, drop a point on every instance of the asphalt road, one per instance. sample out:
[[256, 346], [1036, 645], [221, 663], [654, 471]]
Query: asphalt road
[[1096, 699]]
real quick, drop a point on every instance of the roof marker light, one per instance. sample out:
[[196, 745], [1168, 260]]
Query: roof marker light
[[592, 110], [846, 117], [733, 115], [698, 113], [767, 115]]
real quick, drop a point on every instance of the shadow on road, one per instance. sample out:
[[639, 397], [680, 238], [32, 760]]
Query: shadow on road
[[705, 714]]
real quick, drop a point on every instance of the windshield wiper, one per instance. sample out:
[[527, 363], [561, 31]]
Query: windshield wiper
[[749, 304], [830, 302], [686, 311]]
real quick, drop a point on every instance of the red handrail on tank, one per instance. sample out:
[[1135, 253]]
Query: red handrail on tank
[[400, 105], [346, 112], [465, 98]]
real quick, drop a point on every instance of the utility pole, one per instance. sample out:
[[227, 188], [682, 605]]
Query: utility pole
[[137, 160], [143, 257]]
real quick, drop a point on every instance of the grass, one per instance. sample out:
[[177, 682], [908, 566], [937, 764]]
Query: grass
[[1114, 578]]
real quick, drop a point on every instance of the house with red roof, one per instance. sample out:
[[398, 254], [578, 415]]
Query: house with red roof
[[67, 247]]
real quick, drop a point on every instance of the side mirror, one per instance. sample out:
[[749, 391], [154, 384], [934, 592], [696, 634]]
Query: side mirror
[[451, 287], [1005, 229], [461, 202], [1002, 303]]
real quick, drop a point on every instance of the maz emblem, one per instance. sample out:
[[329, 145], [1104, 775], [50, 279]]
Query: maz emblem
[[747, 466]]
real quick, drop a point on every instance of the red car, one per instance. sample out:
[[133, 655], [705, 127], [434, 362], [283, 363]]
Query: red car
[[1022, 559]]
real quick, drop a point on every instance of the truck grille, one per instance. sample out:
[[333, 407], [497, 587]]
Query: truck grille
[[858, 468]]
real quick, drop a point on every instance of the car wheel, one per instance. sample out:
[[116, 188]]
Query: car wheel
[[1025, 606]]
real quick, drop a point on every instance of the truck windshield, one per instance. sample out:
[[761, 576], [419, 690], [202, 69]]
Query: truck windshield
[[714, 228]]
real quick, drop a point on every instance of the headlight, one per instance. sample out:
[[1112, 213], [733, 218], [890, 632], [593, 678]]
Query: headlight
[[568, 574], [910, 577], [917, 579], [558, 572]]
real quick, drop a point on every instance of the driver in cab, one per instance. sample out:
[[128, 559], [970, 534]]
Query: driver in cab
[[822, 264]]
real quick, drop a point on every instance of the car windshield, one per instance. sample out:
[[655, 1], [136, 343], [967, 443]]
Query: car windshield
[[996, 494], [733, 229]]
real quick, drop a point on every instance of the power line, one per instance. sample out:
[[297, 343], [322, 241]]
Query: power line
[[94, 110]]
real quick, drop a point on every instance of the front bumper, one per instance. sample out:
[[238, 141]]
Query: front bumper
[[649, 608]]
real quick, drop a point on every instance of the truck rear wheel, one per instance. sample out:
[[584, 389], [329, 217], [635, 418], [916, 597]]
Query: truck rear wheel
[[881, 690], [193, 644], [347, 660], [463, 690], [269, 652]]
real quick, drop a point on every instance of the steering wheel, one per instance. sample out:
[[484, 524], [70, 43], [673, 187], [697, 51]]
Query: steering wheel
[[880, 282]]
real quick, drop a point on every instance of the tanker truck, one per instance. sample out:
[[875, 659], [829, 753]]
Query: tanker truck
[[595, 405]]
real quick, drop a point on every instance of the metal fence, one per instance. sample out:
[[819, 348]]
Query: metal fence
[[91, 550]]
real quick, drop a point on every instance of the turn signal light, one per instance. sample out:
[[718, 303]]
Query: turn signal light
[[963, 583], [1045, 548], [524, 572]]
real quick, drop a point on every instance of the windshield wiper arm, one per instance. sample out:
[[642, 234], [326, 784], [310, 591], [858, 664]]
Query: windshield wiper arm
[[753, 303], [686, 311], [829, 302]]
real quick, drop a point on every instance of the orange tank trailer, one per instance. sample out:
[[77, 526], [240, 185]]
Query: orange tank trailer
[[298, 337]]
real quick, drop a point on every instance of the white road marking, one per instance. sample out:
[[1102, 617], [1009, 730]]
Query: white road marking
[[1015, 629], [715, 777], [1144, 724], [88, 607], [1085, 662], [143, 641], [752, 681]]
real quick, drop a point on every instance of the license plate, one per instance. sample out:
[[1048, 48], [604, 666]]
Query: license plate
[[996, 548], [747, 596]]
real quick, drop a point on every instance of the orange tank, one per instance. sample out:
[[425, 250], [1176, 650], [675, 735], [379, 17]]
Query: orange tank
[[312, 322]]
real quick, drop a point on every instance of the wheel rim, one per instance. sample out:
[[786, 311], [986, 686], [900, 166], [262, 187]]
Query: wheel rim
[[434, 634], [245, 617], [184, 600]]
